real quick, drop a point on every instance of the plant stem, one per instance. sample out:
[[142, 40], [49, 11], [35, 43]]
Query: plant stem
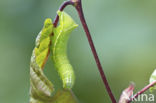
[[78, 6], [142, 91], [65, 4], [62, 7]]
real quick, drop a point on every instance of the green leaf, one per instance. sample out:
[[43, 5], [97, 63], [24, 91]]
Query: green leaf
[[152, 79], [64, 96], [59, 49], [41, 88], [43, 42]]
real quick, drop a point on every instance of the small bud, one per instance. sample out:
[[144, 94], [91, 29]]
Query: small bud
[[126, 94]]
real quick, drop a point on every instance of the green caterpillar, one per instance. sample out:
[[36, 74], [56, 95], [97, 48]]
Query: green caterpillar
[[41, 87], [59, 49]]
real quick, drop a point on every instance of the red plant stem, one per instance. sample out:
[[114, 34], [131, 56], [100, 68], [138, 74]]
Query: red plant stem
[[78, 6], [66, 3], [142, 91]]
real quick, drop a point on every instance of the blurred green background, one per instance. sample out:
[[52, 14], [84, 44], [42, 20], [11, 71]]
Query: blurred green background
[[124, 33]]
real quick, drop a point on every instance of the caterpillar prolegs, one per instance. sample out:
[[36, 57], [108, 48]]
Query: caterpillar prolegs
[[41, 88]]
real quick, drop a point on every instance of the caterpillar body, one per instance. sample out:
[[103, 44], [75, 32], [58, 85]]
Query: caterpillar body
[[59, 49], [41, 87]]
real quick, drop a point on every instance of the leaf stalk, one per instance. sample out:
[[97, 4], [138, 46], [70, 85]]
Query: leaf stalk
[[142, 91]]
